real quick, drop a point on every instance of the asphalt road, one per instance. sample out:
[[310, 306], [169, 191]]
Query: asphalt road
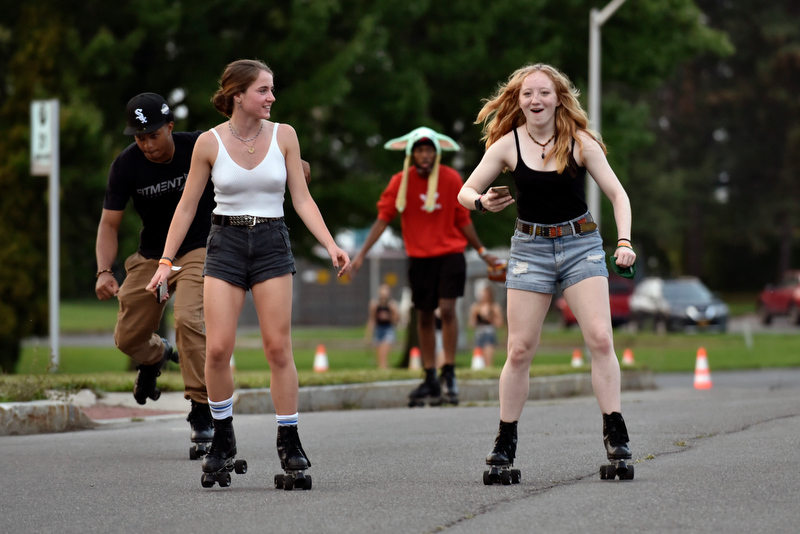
[[721, 460]]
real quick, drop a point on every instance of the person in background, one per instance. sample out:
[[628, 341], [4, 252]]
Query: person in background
[[535, 127], [151, 172], [383, 318], [436, 230], [486, 317]]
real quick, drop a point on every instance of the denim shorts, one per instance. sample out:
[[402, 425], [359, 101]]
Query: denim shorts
[[538, 263], [245, 256], [383, 333], [485, 334]]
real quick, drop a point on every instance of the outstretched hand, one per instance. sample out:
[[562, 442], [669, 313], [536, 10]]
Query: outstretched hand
[[341, 260]]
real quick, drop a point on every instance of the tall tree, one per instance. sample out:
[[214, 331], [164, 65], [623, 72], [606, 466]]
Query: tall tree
[[350, 74]]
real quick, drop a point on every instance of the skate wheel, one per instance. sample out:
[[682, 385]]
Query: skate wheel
[[278, 481], [240, 466], [288, 483], [207, 481], [307, 484], [628, 475], [516, 476], [608, 472], [505, 477], [224, 481], [155, 395], [193, 453], [487, 479]]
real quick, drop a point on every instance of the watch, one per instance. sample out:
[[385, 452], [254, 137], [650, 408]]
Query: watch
[[479, 205]]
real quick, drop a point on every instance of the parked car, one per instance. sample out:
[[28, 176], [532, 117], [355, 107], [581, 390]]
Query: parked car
[[619, 292], [677, 304], [781, 299]]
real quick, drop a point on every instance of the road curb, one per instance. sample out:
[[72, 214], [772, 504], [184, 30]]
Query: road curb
[[38, 417], [19, 418]]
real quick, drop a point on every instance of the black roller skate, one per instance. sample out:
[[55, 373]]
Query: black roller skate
[[447, 381], [219, 460], [145, 385], [615, 438], [293, 460], [429, 392], [202, 429], [501, 459]]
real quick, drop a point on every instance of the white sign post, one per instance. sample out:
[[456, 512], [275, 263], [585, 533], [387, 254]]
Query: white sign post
[[45, 162]]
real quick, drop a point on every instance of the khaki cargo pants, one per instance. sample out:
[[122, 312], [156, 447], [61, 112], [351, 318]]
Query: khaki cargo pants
[[139, 316]]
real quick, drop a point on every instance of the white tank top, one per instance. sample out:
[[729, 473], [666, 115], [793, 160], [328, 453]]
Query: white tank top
[[258, 191]]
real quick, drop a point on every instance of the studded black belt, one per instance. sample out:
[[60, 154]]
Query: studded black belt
[[241, 220]]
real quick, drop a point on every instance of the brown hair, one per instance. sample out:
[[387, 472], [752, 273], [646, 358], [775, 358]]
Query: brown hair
[[236, 78], [501, 113]]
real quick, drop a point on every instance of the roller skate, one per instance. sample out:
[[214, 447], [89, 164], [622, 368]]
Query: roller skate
[[202, 429], [219, 460], [429, 392], [145, 385], [615, 438], [501, 459], [293, 458], [447, 381]]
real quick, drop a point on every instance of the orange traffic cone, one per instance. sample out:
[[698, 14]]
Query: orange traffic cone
[[414, 359], [702, 376], [478, 362], [320, 359], [627, 357], [577, 358]]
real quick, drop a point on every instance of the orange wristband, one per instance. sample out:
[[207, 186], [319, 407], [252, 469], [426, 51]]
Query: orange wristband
[[165, 261]]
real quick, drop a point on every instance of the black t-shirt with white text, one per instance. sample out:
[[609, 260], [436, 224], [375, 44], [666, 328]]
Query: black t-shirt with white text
[[156, 189]]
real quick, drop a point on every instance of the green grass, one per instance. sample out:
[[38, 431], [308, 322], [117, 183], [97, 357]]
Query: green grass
[[352, 361]]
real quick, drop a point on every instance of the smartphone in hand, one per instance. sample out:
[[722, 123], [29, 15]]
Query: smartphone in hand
[[502, 191], [161, 292]]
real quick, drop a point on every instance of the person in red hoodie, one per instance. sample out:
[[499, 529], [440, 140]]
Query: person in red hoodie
[[436, 230]]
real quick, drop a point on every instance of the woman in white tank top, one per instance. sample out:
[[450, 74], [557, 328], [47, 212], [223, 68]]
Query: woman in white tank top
[[251, 162]]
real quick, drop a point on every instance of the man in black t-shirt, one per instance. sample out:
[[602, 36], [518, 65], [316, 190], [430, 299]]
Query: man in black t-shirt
[[152, 172]]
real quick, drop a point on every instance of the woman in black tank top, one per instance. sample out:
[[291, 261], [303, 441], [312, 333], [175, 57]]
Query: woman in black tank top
[[535, 127]]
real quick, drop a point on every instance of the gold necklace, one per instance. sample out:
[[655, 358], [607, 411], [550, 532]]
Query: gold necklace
[[538, 143], [250, 148]]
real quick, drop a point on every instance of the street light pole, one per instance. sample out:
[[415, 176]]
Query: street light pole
[[596, 20]]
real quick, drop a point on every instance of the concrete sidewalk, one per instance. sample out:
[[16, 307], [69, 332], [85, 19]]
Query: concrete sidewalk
[[85, 410]]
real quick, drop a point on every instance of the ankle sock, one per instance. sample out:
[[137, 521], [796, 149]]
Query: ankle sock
[[221, 409], [287, 420]]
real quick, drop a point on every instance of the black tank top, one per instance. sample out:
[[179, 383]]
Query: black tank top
[[546, 197], [383, 315]]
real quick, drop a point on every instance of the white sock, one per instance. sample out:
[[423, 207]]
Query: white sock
[[221, 409], [287, 420]]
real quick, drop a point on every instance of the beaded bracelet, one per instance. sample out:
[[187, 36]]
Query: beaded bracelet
[[101, 271]]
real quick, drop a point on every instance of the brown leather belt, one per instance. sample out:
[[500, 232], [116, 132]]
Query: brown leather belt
[[240, 220], [581, 226]]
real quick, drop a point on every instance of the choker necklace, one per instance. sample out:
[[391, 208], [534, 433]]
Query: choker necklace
[[250, 148], [538, 143]]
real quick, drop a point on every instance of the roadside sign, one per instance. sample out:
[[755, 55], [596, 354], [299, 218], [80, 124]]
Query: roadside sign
[[44, 120]]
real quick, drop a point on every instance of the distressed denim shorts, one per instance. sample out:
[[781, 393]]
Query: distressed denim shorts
[[245, 256], [538, 263]]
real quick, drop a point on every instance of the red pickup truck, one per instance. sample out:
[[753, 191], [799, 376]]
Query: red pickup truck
[[781, 299]]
